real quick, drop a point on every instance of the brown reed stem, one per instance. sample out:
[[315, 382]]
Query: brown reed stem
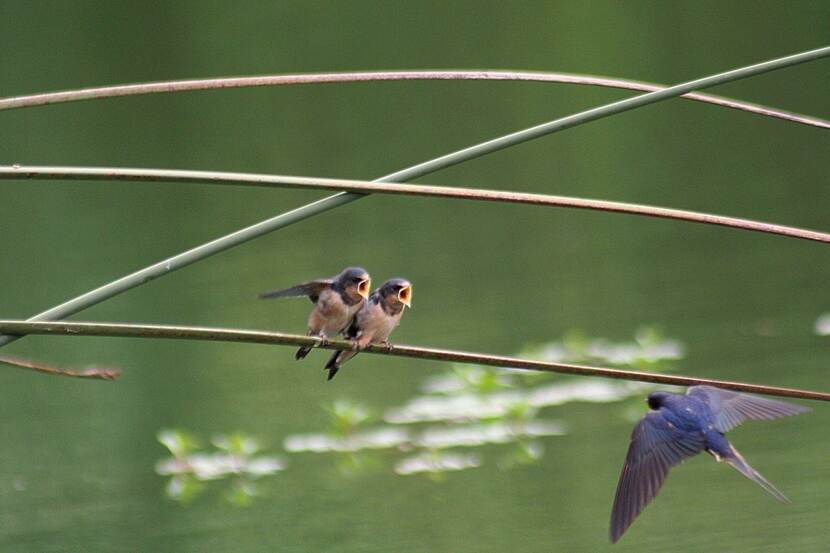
[[98, 373], [366, 187], [95, 93], [123, 330]]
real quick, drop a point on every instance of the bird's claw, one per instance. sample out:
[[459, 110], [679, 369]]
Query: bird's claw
[[319, 339], [388, 345]]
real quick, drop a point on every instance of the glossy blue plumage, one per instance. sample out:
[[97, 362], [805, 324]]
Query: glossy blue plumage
[[681, 426]]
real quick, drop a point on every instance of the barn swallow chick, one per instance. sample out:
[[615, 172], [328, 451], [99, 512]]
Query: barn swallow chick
[[375, 321], [336, 302], [679, 427]]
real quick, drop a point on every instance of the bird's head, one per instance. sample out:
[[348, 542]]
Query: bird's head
[[355, 282], [396, 292], [657, 399]]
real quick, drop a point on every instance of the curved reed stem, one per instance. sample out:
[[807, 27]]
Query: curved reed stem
[[96, 373], [122, 330], [101, 92], [241, 236], [365, 187]]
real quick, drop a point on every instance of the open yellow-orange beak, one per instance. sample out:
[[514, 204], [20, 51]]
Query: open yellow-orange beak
[[405, 296], [364, 287]]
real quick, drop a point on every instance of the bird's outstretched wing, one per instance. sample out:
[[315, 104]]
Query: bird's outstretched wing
[[732, 408], [656, 446], [312, 289]]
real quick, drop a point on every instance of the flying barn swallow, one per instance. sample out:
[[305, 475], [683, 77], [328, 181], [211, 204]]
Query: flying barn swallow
[[375, 321], [681, 426], [336, 301]]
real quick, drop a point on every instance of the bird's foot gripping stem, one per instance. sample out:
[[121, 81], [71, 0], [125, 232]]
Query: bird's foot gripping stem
[[320, 341]]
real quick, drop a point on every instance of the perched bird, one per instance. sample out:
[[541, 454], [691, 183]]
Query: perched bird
[[681, 426], [336, 301], [375, 321]]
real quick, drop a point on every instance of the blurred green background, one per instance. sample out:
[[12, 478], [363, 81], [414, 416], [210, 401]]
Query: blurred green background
[[77, 458]]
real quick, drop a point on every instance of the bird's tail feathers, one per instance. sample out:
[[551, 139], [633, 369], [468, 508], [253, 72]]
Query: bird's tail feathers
[[336, 361], [333, 364], [301, 353], [737, 461]]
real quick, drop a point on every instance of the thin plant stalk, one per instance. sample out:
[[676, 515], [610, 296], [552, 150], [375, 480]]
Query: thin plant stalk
[[121, 330], [97, 93], [96, 373], [363, 187], [241, 236]]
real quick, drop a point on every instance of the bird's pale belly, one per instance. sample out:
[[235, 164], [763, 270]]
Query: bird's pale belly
[[379, 329], [330, 322]]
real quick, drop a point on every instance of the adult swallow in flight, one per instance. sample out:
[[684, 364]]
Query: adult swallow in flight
[[681, 426], [336, 301], [375, 321]]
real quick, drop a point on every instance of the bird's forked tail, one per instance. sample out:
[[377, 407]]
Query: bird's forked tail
[[737, 461], [333, 364], [336, 361]]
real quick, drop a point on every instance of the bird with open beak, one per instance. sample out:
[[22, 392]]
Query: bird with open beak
[[336, 302], [375, 321]]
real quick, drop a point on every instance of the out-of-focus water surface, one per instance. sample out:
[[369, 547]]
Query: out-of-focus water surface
[[82, 468]]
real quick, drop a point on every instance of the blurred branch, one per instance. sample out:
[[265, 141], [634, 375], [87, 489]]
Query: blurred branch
[[97, 93], [269, 225], [365, 187], [94, 372], [279, 338]]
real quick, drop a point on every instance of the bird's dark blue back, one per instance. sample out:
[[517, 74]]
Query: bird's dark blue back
[[686, 413]]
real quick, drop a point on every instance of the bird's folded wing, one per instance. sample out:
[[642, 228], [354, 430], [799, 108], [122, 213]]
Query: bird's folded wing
[[312, 289], [732, 408], [656, 446]]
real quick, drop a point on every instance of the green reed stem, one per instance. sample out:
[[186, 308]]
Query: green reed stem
[[243, 235]]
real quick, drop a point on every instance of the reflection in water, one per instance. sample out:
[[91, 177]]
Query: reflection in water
[[189, 468], [471, 393], [435, 463], [492, 433], [823, 325], [434, 437], [647, 349], [372, 439], [468, 407]]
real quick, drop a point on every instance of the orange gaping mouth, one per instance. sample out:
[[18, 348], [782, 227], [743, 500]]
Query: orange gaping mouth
[[364, 287], [405, 296]]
